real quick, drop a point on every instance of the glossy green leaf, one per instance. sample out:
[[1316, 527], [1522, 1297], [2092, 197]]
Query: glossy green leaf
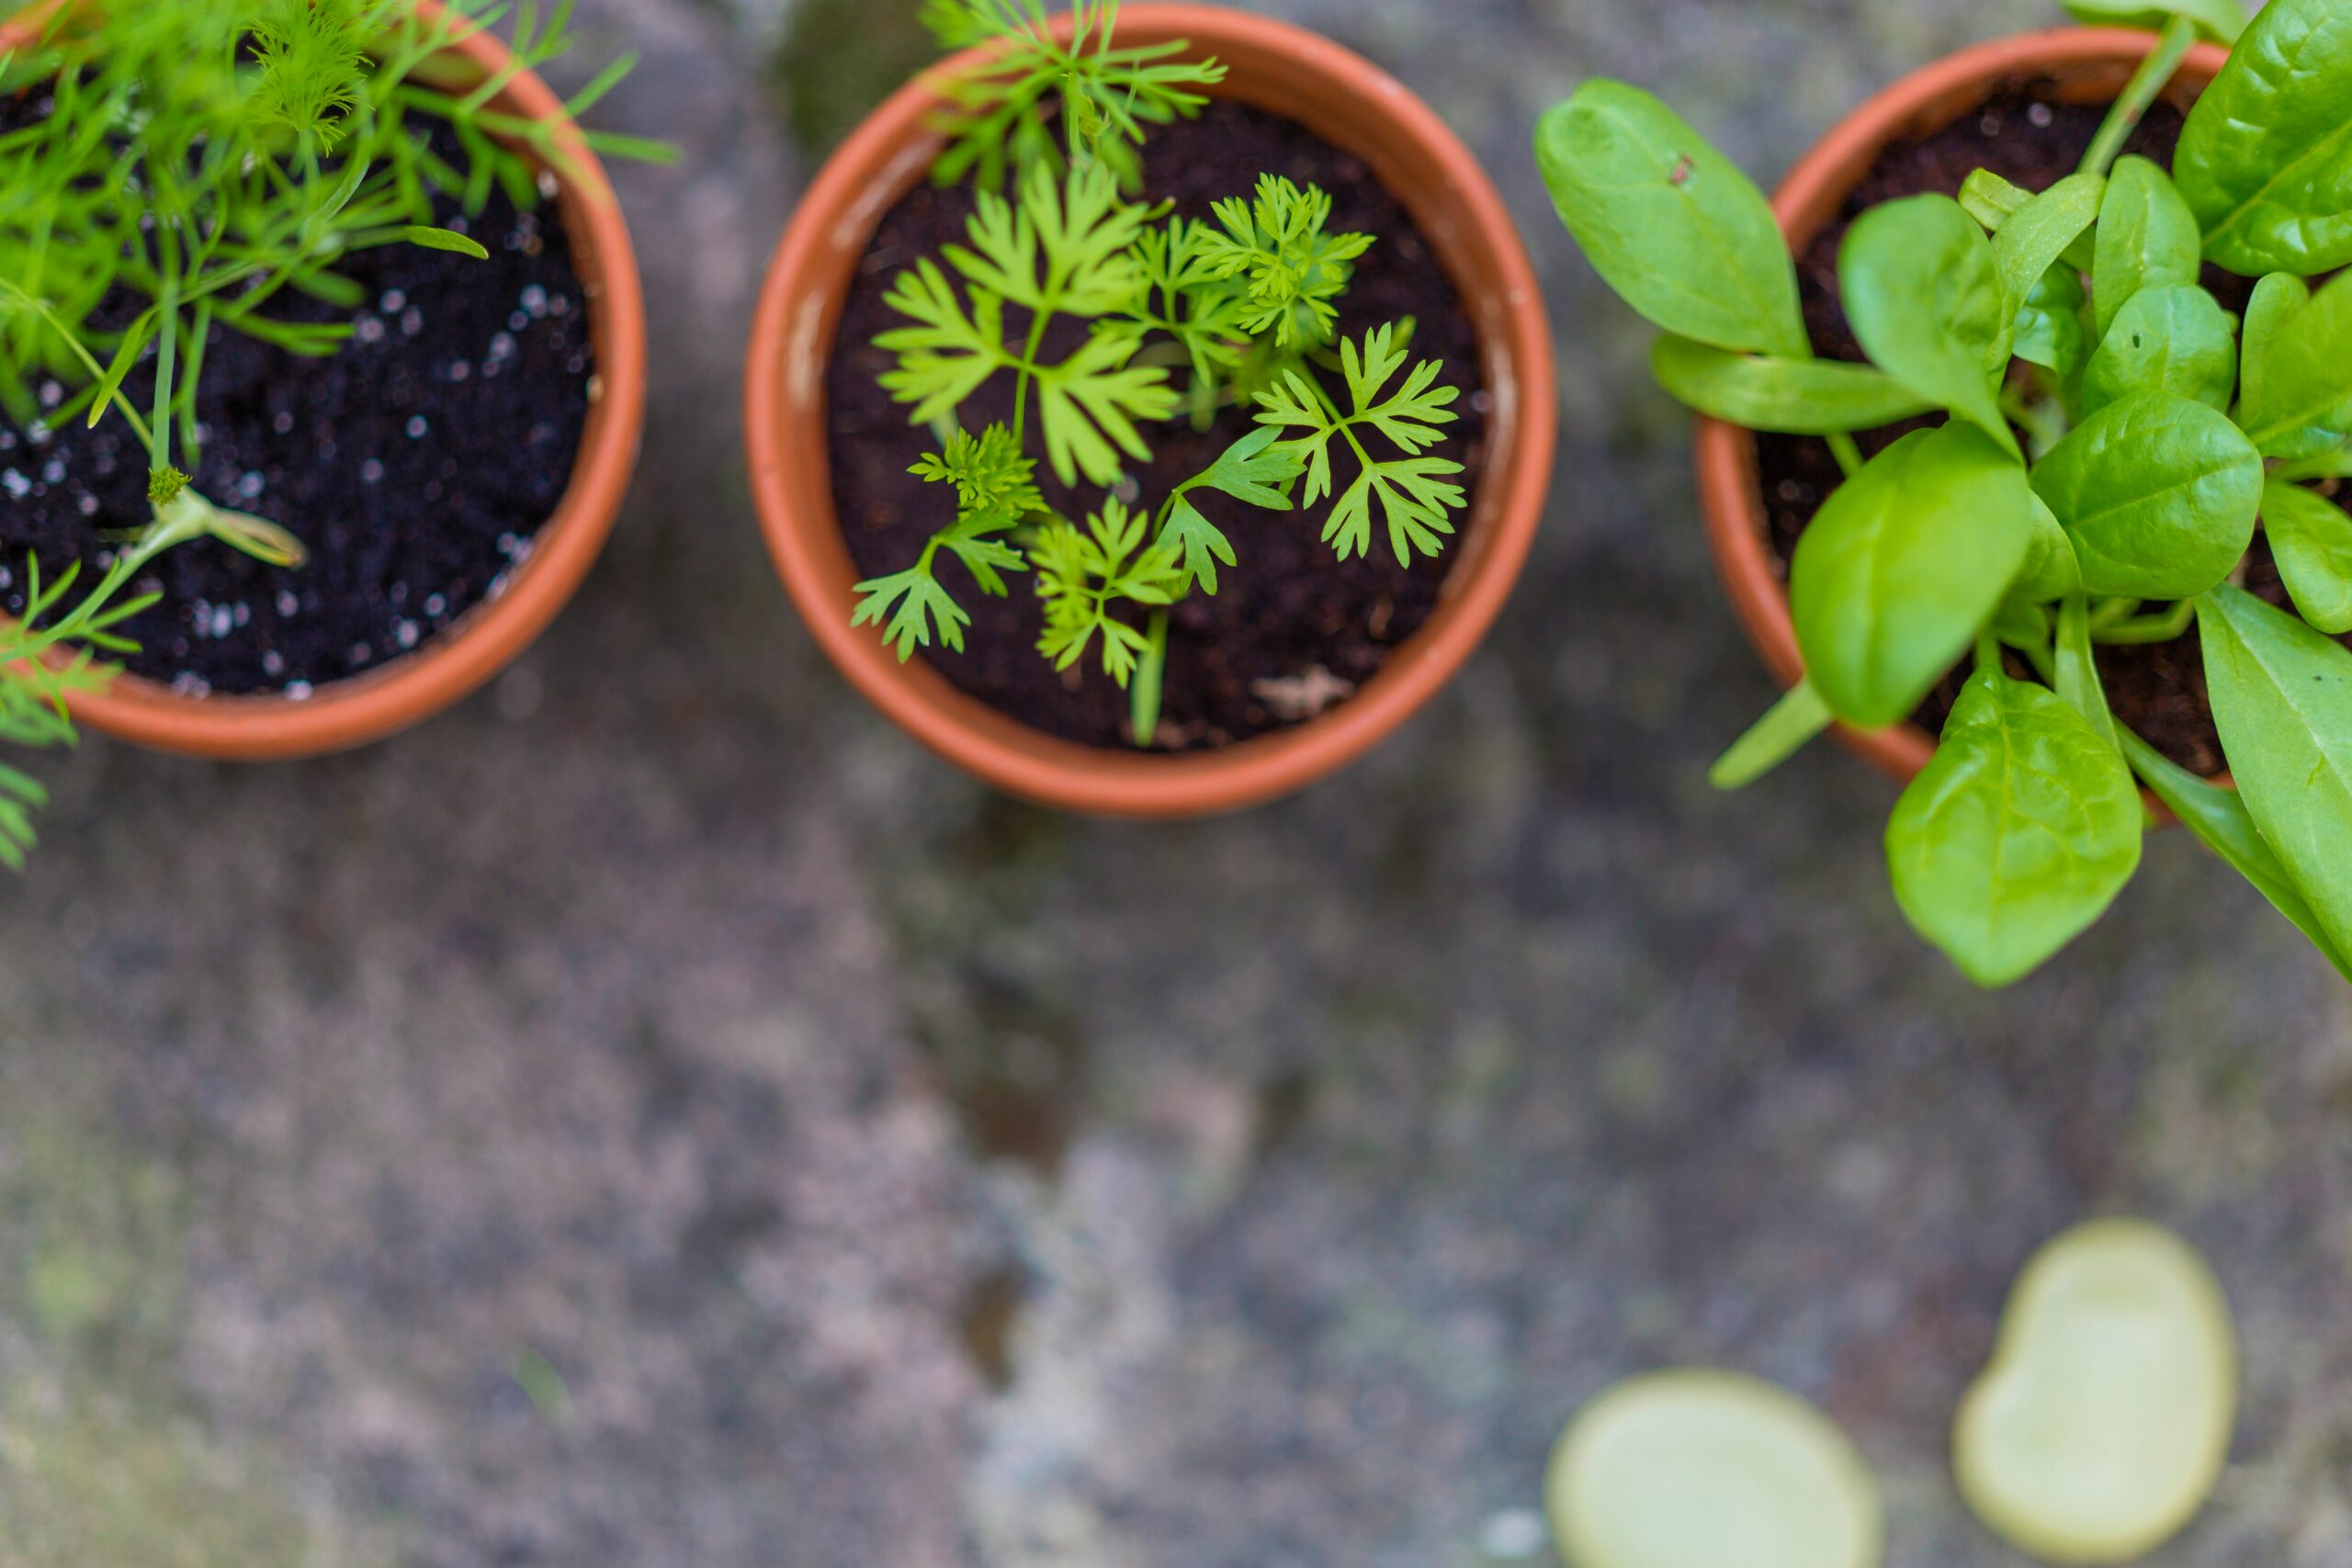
[[1992, 199], [2172, 339], [2217, 815], [2282, 696], [2266, 161], [1904, 566], [2148, 238], [2050, 571], [2031, 242], [1925, 299], [2159, 494], [2299, 369], [1794, 397], [2312, 538], [2049, 325], [2018, 836], [1672, 225], [2222, 20]]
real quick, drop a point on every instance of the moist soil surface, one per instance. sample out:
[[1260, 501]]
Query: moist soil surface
[[416, 464], [1290, 630], [2026, 134]]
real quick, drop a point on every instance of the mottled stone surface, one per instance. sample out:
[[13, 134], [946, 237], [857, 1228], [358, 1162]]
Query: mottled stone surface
[[656, 1116]]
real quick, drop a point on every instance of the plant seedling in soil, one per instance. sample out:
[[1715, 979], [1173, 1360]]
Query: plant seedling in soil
[[1109, 317], [2112, 440], [1701, 1469], [199, 163], [2101, 1423]]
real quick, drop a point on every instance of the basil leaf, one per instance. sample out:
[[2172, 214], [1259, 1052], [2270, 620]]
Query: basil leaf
[[2266, 161], [2220, 819], [2045, 229], [2018, 836], [2282, 696], [2222, 20], [1927, 302], [2173, 339], [1794, 397], [2312, 538], [1671, 224], [2159, 494], [2299, 378], [2147, 239], [1904, 566], [2078, 668], [2050, 326]]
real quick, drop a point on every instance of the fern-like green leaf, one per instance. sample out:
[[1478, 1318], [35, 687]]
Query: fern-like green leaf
[[914, 604], [1296, 270]]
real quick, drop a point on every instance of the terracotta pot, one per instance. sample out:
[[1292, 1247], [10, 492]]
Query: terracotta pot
[[464, 656], [2090, 65], [1352, 105]]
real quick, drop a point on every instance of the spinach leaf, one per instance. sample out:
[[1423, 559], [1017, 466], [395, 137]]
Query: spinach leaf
[[2159, 494], [1671, 224], [2173, 339], [2147, 239], [2043, 230], [2050, 570], [2312, 538], [1902, 567], [2222, 20], [1781, 734], [2266, 161], [1925, 299], [2218, 817], [2299, 368], [1794, 397], [2018, 836], [2282, 696], [2050, 328]]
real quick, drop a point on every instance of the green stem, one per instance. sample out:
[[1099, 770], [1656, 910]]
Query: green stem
[[2173, 623], [1848, 455], [2157, 70], [1151, 677]]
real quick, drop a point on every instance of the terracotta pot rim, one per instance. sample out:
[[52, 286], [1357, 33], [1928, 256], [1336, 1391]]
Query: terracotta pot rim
[[1729, 493], [793, 337], [470, 652]]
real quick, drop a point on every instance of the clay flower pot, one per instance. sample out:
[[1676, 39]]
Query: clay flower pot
[[2089, 66], [460, 658], [1350, 104]]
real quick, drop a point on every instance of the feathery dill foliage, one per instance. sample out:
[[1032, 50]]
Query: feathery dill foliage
[[198, 163], [1183, 319]]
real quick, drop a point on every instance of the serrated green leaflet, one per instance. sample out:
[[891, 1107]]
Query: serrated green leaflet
[[2266, 160], [2311, 538], [2159, 494], [1927, 302], [2147, 239], [1796, 397], [2171, 339]]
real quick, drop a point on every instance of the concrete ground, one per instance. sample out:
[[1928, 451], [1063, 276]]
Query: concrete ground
[[655, 1117]]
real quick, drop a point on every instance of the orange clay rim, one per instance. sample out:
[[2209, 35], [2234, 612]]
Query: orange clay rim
[[1351, 104], [369, 707], [2089, 64]]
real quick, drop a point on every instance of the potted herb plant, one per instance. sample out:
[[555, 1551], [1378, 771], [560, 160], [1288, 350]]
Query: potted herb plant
[[321, 367], [1149, 408], [2056, 392]]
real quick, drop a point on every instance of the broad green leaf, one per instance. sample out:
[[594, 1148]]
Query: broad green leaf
[[2018, 836], [2282, 697], [2266, 161], [2050, 570], [1781, 734], [2312, 538], [2299, 370], [2031, 242], [2147, 239], [2217, 815], [1993, 200], [2049, 325], [2222, 20], [1792, 397], [2175, 339], [2159, 494], [1672, 225], [2077, 661], [1904, 566], [1927, 302]]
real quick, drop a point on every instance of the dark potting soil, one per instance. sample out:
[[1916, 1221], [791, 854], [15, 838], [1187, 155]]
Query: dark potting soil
[[417, 464], [2025, 134], [1291, 629]]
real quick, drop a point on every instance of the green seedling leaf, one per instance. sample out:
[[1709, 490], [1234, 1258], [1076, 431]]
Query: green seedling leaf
[[2222, 20], [1993, 200], [2266, 160], [2282, 697], [1781, 734], [2147, 239], [2299, 368], [2077, 669], [1256, 469], [2159, 494], [1792, 397], [1704, 1469], [2174, 339], [1198, 545], [2050, 572], [912, 602], [2018, 836], [1927, 302], [2101, 1423], [1902, 567], [2050, 326], [2312, 538], [444, 240], [2032, 240], [1670, 223], [2217, 815]]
